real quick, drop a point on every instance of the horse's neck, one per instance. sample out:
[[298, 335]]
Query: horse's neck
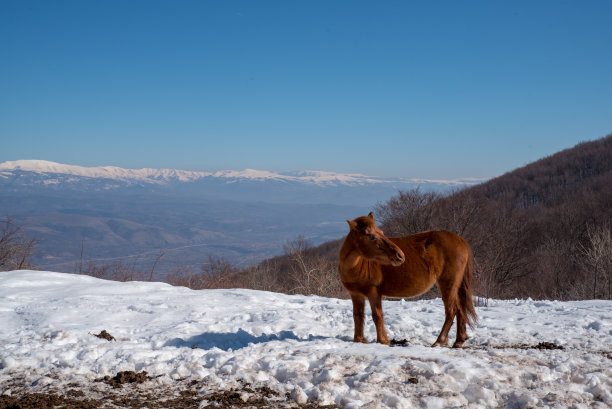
[[353, 265]]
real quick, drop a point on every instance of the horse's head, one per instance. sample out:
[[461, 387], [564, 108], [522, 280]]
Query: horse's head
[[372, 243]]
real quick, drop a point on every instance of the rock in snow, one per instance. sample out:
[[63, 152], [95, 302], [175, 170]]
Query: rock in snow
[[523, 353]]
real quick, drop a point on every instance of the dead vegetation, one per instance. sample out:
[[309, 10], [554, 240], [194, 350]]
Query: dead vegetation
[[15, 248]]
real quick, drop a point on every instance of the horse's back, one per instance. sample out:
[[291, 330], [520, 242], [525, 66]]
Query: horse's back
[[442, 240], [429, 255]]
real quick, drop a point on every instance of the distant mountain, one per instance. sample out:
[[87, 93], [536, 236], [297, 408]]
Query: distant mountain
[[108, 214], [161, 176], [312, 187]]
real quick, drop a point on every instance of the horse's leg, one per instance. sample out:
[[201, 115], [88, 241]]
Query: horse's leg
[[375, 299], [358, 316], [461, 332], [449, 295], [448, 323]]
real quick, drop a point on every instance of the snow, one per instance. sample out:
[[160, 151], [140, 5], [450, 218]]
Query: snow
[[158, 176], [301, 346], [105, 172]]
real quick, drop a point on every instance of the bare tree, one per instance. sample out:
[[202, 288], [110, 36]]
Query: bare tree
[[557, 278], [409, 212], [459, 212], [217, 273], [15, 248], [597, 259]]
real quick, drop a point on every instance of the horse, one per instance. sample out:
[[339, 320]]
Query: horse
[[372, 265]]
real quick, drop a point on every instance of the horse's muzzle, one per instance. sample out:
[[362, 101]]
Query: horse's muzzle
[[398, 260]]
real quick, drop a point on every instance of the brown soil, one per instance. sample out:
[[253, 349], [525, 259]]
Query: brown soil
[[105, 335], [46, 401], [129, 390], [541, 345], [125, 377], [548, 345]]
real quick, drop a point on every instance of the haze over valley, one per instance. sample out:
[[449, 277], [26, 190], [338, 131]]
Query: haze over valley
[[109, 214]]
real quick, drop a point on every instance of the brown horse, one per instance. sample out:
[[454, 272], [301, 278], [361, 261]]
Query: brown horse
[[372, 266]]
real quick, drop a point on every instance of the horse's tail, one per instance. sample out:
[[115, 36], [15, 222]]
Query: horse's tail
[[466, 308]]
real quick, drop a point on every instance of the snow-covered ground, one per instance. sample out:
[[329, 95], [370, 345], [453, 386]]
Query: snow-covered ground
[[301, 346]]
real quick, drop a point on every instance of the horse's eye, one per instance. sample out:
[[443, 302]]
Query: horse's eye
[[371, 237]]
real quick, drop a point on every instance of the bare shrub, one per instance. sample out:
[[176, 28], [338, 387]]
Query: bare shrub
[[118, 271], [217, 273], [310, 273], [15, 248], [264, 276]]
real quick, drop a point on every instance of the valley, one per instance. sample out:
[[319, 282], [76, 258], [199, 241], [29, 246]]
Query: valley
[[178, 218]]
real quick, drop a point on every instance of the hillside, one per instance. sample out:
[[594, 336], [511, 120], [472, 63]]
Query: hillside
[[543, 230], [560, 178], [540, 231]]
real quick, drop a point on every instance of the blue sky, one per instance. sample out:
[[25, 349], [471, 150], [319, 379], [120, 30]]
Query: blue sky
[[392, 88]]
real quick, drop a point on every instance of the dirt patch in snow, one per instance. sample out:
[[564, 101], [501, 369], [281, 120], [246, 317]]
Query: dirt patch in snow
[[399, 342], [130, 390], [241, 398], [125, 377], [541, 345], [105, 335], [47, 401]]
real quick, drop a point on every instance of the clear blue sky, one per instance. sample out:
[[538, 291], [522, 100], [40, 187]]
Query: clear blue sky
[[389, 88]]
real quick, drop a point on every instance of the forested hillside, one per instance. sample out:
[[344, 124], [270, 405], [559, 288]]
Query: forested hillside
[[540, 231], [543, 230], [557, 179]]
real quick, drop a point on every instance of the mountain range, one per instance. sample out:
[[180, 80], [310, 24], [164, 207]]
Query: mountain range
[[312, 187], [107, 213]]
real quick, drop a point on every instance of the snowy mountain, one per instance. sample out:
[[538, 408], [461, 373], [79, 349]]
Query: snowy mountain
[[31, 173], [204, 348]]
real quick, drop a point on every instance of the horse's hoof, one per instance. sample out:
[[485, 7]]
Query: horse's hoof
[[458, 345], [360, 340], [438, 344], [384, 342]]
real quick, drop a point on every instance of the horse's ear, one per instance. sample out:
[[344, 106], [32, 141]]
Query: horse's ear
[[371, 216], [352, 224]]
